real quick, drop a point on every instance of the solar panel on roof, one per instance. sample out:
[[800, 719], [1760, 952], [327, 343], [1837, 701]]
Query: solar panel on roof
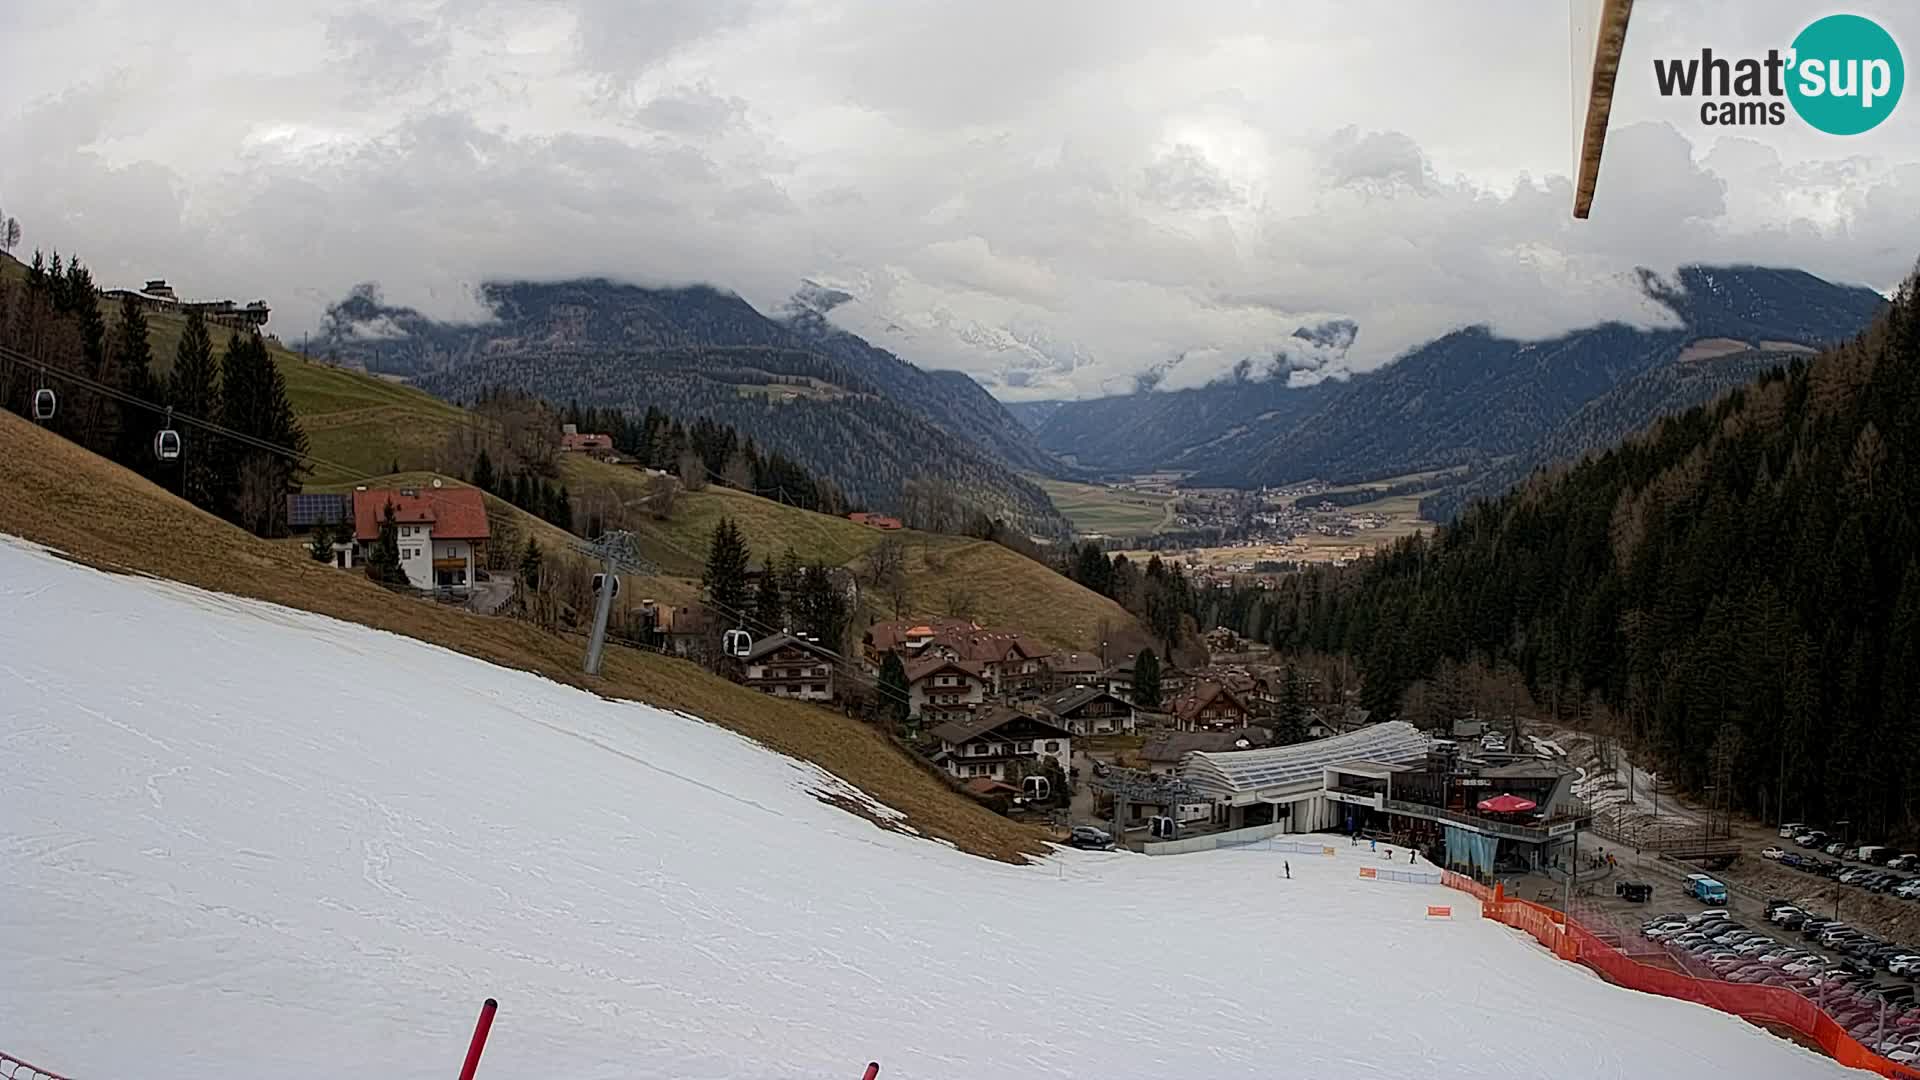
[[307, 509], [1247, 770]]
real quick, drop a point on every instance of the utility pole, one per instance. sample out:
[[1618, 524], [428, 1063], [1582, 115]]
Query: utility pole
[[616, 551]]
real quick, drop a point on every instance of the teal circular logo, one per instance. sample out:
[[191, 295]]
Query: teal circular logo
[[1846, 75]]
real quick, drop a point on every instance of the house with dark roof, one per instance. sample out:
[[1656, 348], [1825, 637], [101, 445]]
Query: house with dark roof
[[939, 689], [1090, 710], [1164, 753], [442, 531], [783, 665], [1001, 743], [1070, 669], [1210, 706]]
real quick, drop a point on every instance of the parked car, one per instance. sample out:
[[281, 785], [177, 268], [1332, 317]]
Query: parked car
[[1835, 847], [1904, 863], [1782, 913], [1792, 829], [1774, 853], [1086, 836], [1811, 838]]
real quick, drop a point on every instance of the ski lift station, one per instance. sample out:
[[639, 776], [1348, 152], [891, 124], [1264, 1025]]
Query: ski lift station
[[1393, 778]]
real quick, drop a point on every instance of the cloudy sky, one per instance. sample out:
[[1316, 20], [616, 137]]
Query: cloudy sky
[[1055, 196]]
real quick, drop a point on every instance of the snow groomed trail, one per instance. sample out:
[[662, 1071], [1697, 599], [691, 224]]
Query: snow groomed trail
[[238, 840]]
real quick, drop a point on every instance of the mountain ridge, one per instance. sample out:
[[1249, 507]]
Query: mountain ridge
[[841, 407], [1469, 397]]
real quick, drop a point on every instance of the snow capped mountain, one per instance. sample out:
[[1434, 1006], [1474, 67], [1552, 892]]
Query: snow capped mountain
[[240, 840]]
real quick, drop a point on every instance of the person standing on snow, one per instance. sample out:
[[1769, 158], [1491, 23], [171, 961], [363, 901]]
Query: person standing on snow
[[1289, 868]]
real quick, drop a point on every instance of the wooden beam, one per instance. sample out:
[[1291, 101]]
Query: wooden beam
[[1610, 39]]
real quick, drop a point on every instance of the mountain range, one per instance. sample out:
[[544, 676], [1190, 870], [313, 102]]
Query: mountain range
[[844, 409], [1470, 398]]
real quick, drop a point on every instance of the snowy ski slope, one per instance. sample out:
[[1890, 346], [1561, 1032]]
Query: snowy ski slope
[[242, 841]]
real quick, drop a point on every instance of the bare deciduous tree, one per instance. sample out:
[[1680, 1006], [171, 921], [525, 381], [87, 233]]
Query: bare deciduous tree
[[661, 496], [693, 471], [886, 560], [960, 602]]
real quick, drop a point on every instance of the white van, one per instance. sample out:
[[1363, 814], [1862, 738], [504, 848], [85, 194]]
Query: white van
[[1793, 829]]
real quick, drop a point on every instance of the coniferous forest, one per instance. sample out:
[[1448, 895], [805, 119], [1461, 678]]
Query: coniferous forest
[[111, 399], [1739, 587]]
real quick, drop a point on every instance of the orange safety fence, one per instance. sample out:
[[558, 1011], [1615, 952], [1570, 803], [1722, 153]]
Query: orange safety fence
[[1769, 1005]]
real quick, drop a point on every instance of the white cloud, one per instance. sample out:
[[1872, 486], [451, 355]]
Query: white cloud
[[1060, 199]]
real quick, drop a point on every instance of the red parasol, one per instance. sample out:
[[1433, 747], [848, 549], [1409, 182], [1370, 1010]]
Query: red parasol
[[1507, 804]]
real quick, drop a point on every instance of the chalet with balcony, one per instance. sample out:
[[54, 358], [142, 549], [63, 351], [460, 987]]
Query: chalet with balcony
[[782, 665], [1090, 710], [940, 690], [1000, 743], [1210, 706]]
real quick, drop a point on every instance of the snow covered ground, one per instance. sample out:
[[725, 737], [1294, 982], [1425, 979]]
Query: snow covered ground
[[237, 840]]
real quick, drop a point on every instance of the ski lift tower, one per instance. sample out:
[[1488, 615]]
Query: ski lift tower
[[617, 551], [1133, 786]]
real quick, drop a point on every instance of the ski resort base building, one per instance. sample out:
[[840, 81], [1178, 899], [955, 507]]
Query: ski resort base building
[[1392, 779]]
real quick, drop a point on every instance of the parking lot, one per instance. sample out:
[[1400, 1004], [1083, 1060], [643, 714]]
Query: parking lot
[[1862, 979], [1864, 985]]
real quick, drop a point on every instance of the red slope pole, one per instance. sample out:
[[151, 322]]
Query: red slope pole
[[479, 1039], [873, 1070]]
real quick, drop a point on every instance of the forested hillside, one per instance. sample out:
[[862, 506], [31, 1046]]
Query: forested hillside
[[1740, 586], [1628, 408], [854, 415]]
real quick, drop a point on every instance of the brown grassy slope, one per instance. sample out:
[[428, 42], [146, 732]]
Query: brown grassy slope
[[555, 543], [1004, 589], [58, 494]]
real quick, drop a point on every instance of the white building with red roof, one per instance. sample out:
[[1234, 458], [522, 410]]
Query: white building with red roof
[[442, 531]]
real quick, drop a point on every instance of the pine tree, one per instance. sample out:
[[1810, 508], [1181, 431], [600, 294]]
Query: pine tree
[[1146, 680], [822, 607], [531, 564], [320, 547], [483, 472], [383, 561], [563, 509], [254, 402], [194, 390], [769, 602], [133, 360], [893, 693], [1291, 725], [726, 575], [790, 571]]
